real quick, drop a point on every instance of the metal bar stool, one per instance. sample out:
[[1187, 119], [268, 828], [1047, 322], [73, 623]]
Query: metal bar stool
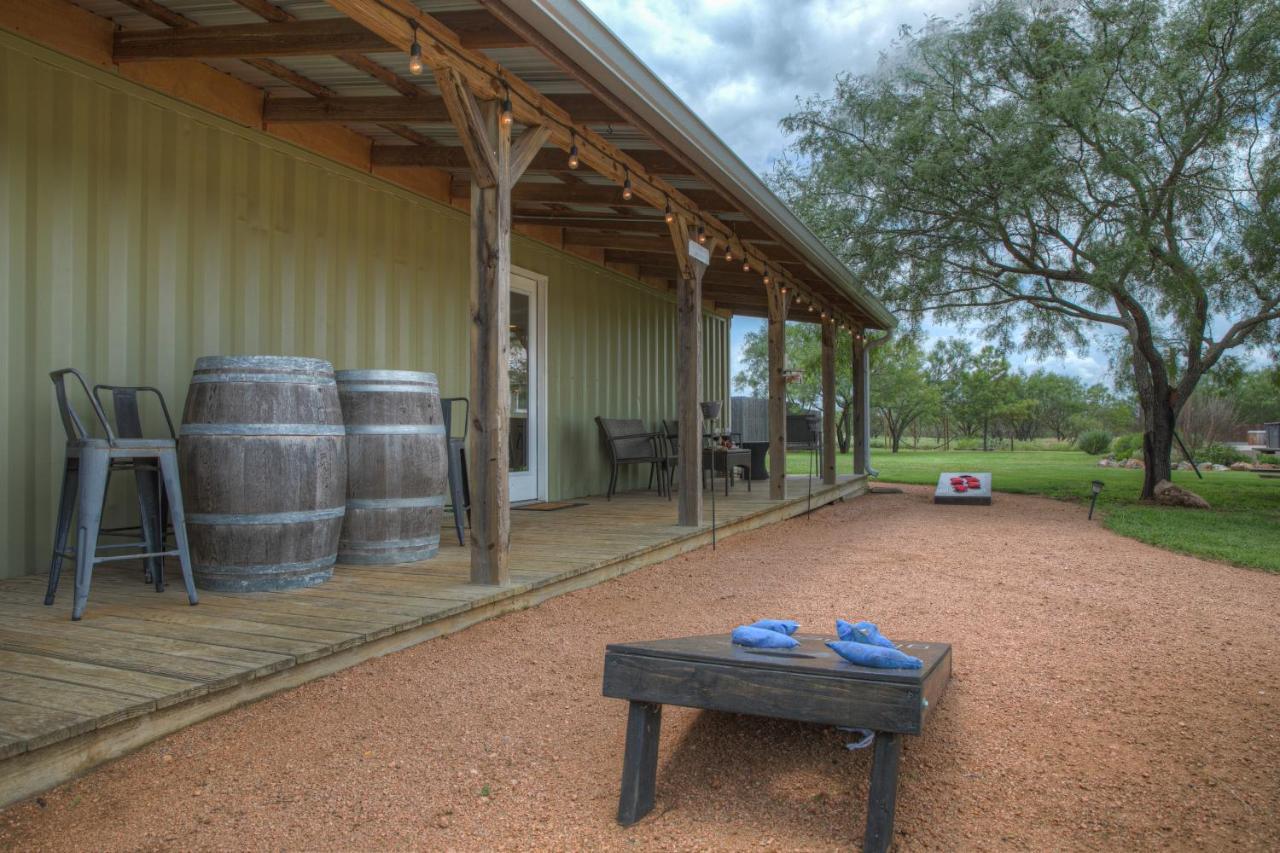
[[459, 486], [84, 490], [146, 472]]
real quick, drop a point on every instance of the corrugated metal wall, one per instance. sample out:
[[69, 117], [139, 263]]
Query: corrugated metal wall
[[137, 234]]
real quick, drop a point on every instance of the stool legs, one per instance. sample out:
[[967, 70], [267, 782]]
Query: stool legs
[[457, 486], [66, 506], [93, 492], [173, 491], [148, 484]]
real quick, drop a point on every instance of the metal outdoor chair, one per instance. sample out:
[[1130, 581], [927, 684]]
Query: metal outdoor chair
[[84, 490], [459, 486], [630, 443]]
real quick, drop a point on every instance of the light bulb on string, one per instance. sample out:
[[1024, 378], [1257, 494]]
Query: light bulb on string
[[746, 264], [669, 215], [415, 51], [626, 185], [702, 236], [728, 253], [573, 150], [506, 116]]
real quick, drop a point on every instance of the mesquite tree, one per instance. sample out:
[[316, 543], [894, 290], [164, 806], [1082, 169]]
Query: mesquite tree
[[1047, 169]]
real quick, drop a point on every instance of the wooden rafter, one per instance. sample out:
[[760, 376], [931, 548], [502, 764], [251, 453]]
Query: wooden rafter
[[246, 41], [548, 160], [441, 47]]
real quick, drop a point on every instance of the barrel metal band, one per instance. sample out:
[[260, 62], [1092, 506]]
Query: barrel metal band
[[395, 429], [266, 517], [400, 388], [235, 569], [262, 429], [395, 503], [294, 379], [387, 544]]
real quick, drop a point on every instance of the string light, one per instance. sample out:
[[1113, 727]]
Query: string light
[[784, 290], [702, 236], [626, 184], [506, 116], [573, 150], [668, 215], [728, 253], [767, 279], [746, 264], [415, 50]]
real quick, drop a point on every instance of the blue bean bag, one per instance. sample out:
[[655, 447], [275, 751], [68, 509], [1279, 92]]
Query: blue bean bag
[[865, 654], [782, 626], [862, 632], [762, 638]]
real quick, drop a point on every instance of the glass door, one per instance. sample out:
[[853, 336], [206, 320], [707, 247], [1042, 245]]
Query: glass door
[[524, 365]]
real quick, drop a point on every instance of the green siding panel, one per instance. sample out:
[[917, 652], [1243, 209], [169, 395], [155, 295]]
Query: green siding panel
[[137, 233]]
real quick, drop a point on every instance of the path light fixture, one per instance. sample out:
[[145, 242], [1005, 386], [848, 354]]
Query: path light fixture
[[1097, 490], [711, 414]]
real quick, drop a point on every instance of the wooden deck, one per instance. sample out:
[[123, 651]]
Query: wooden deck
[[141, 665]]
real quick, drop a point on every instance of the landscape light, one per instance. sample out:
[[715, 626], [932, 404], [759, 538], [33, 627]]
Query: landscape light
[[1097, 489]]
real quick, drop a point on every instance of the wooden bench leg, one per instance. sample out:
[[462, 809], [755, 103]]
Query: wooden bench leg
[[639, 761], [883, 798]]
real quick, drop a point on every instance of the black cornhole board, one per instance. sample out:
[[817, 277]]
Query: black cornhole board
[[809, 683], [980, 496]]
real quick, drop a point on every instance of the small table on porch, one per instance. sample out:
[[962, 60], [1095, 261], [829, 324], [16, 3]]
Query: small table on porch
[[809, 683], [724, 460]]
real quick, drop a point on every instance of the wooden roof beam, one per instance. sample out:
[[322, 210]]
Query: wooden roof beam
[[244, 41], [548, 160]]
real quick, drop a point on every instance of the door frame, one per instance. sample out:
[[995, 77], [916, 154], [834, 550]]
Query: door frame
[[538, 379]]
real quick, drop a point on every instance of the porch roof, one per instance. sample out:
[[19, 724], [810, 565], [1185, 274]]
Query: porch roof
[[319, 67]]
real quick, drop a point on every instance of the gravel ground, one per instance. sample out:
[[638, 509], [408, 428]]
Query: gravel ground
[[1107, 695]]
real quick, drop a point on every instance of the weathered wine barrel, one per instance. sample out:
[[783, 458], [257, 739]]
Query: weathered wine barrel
[[397, 469], [263, 462]]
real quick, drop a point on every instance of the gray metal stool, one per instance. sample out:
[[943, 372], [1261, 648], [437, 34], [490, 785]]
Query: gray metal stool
[[459, 486], [84, 490]]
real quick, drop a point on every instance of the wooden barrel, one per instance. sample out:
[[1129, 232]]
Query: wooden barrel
[[263, 462], [397, 468]]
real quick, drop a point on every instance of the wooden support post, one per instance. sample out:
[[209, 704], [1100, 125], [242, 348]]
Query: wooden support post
[[496, 165], [829, 402], [779, 302], [688, 376], [861, 408]]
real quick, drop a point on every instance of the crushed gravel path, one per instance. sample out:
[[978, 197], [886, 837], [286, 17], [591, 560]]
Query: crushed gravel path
[[1107, 695]]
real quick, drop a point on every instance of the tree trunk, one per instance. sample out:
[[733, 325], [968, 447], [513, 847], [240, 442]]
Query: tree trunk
[[1157, 444]]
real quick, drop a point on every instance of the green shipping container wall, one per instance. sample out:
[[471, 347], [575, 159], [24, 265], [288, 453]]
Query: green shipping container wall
[[137, 233]]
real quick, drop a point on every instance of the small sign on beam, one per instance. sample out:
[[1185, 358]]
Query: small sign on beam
[[699, 253]]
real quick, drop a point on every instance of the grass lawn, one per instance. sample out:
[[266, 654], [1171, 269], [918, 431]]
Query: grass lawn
[[1242, 528]]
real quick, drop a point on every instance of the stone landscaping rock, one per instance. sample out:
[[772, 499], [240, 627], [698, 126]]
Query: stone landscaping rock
[[1240, 466], [1133, 464], [1216, 467], [1109, 462], [1184, 466], [1167, 494]]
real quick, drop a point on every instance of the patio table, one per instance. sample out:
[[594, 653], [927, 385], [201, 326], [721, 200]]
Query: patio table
[[724, 460], [759, 453], [809, 683]]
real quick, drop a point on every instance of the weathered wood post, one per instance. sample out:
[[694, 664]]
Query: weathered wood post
[[829, 402], [861, 405], [693, 260], [495, 167], [779, 302]]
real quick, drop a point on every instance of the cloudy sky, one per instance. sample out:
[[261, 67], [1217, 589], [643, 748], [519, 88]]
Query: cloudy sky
[[741, 65]]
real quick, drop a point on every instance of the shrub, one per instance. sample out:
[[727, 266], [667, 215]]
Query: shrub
[[966, 444], [1220, 454], [1094, 442], [1127, 446]]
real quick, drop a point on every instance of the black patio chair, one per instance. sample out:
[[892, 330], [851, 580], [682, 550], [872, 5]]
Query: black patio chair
[[630, 443]]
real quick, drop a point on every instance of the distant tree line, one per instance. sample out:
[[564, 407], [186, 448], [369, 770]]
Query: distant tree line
[[954, 391]]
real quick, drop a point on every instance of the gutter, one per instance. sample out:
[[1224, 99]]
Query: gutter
[[587, 42]]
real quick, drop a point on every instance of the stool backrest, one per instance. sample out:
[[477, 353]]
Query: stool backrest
[[70, 420], [124, 405], [447, 405]]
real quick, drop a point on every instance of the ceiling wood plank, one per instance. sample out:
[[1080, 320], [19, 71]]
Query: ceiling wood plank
[[243, 41], [393, 108]]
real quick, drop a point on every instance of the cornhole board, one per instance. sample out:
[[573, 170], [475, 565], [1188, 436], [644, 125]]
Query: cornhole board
[[980, 496], [809, 683]]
